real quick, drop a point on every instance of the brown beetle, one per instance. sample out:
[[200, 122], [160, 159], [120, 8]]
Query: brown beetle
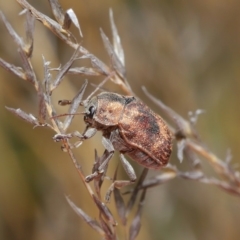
[[131, 128]]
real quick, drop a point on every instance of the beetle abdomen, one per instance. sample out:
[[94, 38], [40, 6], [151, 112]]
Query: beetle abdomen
[[143, 159]]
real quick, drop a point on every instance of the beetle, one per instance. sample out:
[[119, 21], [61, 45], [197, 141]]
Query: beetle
[[130, 127]]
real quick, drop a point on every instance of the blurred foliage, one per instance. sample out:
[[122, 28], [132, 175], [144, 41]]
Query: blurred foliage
[[187, 53]]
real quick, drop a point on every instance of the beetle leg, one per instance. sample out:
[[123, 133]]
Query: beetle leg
[[109, 153], [128, 168], [122, 183], [88, 133]]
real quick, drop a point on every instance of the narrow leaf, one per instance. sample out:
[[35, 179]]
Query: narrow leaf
[[47, 78], [47, 95], [136, 223], [109, 235], [11, 31], [117, 64], [64, 69], [159, 179], [134, 194], [83, 71], [194, 175], [70, 17], [120, 205], [25, 116], [223, 185], [97, 181], [74, 106], [116, 40], [93, 223], [121, 208], [27, 66], [30, 21], [42, 111], [12, 68], [57, 11], [105, 211], [54, 26], [96, 63]]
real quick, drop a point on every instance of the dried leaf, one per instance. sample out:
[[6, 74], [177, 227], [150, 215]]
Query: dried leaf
[[42, 111], [30, 75], [64, 70], [135, 227], [109, 235], [12, 32], [116, 40], [47, 78], [27, 66], [99, 180], [70, 17], [12, 68], [136, 223], [160, 179], [47, 95], [121, 208], [219, 166], [83, 71], [133, 198], [117, 64], [194, 175], [104, 210], [55, 27], [93, 223], [30, 22], [222, 184], [25, 116], [57, 11], [74, 106], [96, 63]]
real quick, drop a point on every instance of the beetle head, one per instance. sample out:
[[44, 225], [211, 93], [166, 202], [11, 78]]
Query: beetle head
[[90, 109], [109, 107], [104, 109]]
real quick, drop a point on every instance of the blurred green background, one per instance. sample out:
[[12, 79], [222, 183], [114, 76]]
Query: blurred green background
[[187, 53]]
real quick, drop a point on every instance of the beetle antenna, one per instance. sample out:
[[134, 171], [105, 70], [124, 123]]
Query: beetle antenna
[[97, 88], [95, 85], [67, 114]]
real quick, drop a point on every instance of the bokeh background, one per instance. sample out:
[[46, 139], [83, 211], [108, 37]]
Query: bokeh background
[[187, 53]]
